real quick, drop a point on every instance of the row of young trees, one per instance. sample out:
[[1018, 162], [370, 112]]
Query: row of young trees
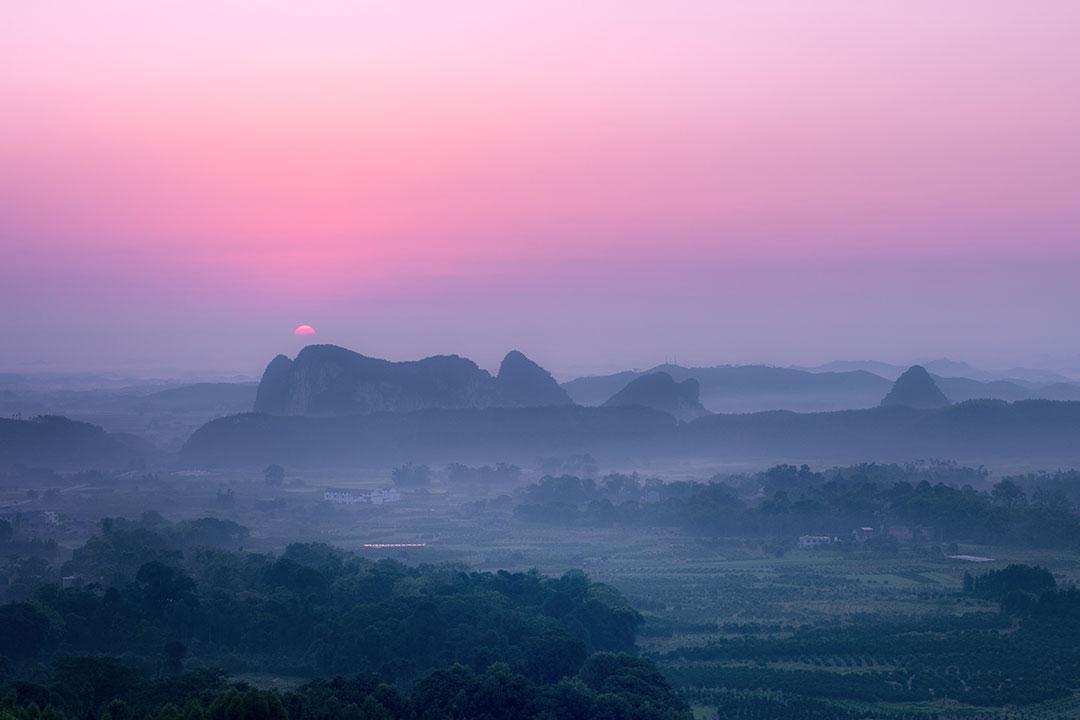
[[1025, 654]]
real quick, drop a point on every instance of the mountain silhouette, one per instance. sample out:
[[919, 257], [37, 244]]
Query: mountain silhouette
[[750, 388], [523, 383], [660, 392], [331, 380], [916, 389], [272, 395], [199, 397], [834, 386], [59, 442], [1029, 430]]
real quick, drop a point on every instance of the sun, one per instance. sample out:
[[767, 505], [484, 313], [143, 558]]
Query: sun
[[304, 330]]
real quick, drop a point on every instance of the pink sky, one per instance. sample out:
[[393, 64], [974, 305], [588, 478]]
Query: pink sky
[[597, 184]]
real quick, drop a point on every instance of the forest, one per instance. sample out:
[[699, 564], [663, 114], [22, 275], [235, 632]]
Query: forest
[[163, 611], [568, 588]]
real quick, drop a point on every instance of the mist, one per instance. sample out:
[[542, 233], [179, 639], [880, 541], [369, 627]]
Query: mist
[[539, 361]]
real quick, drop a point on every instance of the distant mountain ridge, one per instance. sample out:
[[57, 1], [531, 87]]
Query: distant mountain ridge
[[523, 383], [881, 369], [660, 392], [749, 388], [460, 434], [225, 397], [331, 380], [1031, 430], [58, 442], [915, 389], [944, 367], [760, 388]]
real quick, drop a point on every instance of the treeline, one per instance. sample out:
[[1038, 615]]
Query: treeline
[[1061, 484], [1011, 579], [608, 686], [109, 558], [160, 610], [935, 502]]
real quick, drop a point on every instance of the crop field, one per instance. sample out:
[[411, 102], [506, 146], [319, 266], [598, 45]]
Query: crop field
[[745, 629]]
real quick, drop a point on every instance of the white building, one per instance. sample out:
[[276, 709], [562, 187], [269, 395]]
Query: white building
[[861, 535], [379, 496], [809, 542]]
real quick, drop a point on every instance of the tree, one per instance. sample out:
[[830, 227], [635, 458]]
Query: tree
[[194, 711], [211, 532], [226, 498], [24, 630], [411, 476], [163, 587], [1008, 494], [553, 656], [248, 705], [1017, 602], [274, 474], [632, 679], [174, 652]]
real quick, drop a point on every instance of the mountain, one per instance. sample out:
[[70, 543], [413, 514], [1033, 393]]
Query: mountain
[[660, 392], [1036, 375], [1059, 391], [751, 388], [272, 394], [57, 442], [944, 367], [165, 414], [1031, 431], [597, 389], [954, 368], [1017, 375], [960, 389], [915, 389], [881, 369], [523, 383], [331, 380], [223, 398], [434, 435]]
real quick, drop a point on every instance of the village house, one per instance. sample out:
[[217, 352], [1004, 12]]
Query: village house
[[809, 542], [378, 496], [910, 533], [862, 534]]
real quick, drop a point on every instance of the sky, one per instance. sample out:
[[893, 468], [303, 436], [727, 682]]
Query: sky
[[601, 185]]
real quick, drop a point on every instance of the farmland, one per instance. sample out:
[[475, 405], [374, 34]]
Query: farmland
[[742, 626]]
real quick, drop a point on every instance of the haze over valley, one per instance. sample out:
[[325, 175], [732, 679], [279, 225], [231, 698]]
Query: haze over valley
[[635, 360]]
